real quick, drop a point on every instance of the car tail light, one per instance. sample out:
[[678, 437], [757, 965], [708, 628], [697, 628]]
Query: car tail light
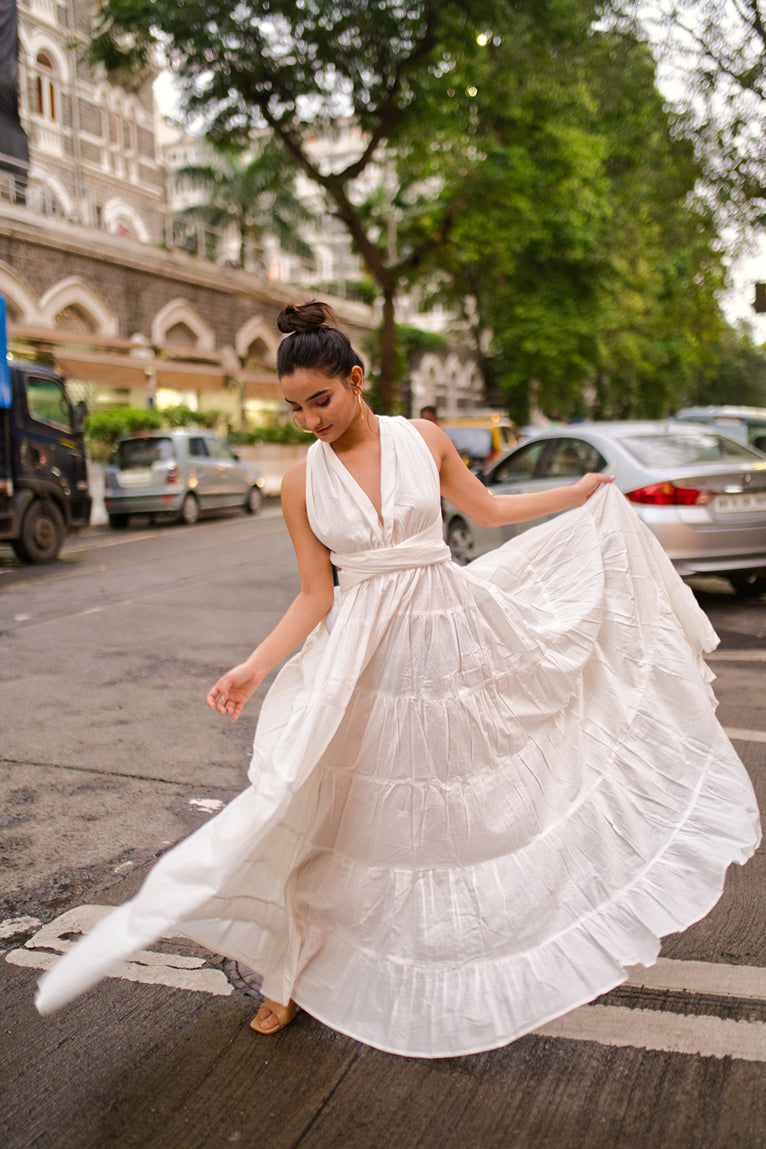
[[173, 475], [669, 495]]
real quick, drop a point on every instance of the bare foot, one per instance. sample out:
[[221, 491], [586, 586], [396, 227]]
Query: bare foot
[[272, 1016]]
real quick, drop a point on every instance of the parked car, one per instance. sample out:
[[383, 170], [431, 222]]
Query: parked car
[[746, 424], [479, 441], [701, 493], [177, 475]]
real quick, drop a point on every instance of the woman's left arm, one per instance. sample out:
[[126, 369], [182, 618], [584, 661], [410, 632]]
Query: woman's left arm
[[461, 488]]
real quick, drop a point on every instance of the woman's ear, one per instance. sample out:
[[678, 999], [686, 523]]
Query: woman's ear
[[356, 378]]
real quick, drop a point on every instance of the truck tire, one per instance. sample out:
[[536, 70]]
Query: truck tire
[[42, 533]]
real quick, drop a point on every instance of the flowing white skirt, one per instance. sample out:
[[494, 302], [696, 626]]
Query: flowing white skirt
[[477, 796]]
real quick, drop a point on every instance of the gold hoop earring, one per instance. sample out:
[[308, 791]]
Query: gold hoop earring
[[305, 430]]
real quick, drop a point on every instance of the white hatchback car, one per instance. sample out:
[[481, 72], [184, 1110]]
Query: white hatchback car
[[701, 493], [177, 475]]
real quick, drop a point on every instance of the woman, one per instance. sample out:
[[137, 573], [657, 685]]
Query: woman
[[477, 795]]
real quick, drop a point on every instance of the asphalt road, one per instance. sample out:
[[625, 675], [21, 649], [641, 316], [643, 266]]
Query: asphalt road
[[109, 755]]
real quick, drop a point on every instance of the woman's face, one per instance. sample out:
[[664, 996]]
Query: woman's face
[[324, 405]]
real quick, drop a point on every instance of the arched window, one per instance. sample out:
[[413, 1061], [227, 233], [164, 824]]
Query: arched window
[[258, 352], [181, 335], [77, 319], [46, 97]]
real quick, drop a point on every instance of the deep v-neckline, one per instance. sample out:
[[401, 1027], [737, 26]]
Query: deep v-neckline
[[385, 480]]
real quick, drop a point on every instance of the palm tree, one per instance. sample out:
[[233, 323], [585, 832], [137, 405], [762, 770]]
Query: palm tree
[[252, 193]]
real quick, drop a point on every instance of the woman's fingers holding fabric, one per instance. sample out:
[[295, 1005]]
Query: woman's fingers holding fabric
[[590, 483]]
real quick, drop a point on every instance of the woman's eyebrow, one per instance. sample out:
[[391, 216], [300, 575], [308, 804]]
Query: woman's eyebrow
[[316, 395]]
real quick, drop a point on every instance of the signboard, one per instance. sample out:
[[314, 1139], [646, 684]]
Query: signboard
[[5, 371]]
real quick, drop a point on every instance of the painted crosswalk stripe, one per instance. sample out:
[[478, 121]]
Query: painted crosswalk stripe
[[745, 735], [736, 656], [607, 1024], [712, 978], [663, 1032]]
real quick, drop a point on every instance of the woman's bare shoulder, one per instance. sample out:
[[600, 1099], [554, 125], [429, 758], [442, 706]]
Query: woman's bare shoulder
[[294, 481], [430, 432]]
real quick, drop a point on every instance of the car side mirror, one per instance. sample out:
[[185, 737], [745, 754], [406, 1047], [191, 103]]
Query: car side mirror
[[80, 414]]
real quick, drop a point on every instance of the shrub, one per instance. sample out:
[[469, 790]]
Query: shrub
[[284, 434], [104, 428]]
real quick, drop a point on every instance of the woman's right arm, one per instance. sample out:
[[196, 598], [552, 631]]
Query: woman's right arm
[[313, 602]]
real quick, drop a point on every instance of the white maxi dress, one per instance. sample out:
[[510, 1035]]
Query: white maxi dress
[[477, 794]]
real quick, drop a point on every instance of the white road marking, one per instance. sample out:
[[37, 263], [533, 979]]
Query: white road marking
[[665, 1032], [745, 735], [712, 978], [736, 656], [169, 971], [12, 926], [206, 805], [147, 966], [612, 1025]]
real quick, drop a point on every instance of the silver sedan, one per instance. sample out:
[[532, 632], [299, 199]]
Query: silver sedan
[[701, 493]]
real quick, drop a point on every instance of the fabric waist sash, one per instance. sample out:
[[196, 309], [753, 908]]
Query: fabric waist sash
[[422, 550]]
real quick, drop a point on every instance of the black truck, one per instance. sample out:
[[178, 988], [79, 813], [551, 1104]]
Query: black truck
[[43, 469]]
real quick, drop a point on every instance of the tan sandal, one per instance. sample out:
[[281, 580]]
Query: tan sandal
[[283, 1013]]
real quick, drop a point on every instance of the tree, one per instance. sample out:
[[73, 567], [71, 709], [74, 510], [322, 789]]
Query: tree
[[719, 49], [252, 193], [299, 68], [567, 227], [736, 373]]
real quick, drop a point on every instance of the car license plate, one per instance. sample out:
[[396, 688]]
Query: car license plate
[[138, 478], [740, 504]]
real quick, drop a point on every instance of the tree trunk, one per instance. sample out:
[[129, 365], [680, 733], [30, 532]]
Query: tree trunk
[[388, 383]]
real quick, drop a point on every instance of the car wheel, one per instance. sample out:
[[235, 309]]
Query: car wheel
[[119, 522], [748, 585], [42, 533], [254, 500], [460, 541], [189, 512]]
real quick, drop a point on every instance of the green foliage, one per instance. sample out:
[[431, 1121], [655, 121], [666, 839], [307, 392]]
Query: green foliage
[[183, 416], [285, 433], [104, 428], [543, 190], [735, 373], [719, 48], [565, 223], [306, 68], [250, 191], [414, 341]]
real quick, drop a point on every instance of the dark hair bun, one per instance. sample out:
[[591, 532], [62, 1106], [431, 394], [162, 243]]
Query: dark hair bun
[[305, 317]]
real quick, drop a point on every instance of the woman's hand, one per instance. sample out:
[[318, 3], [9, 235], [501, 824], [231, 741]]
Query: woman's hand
[[588, 485], [233, 689]]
